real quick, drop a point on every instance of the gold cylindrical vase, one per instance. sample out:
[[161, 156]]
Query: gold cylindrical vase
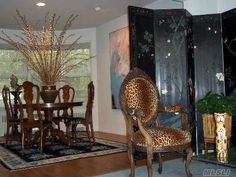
[[221, 137]]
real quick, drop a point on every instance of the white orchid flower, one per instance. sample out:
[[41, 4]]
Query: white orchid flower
[[164, 91], [220, 76]]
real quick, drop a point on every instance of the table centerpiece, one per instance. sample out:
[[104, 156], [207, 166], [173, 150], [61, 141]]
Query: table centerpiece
[[45, 52]]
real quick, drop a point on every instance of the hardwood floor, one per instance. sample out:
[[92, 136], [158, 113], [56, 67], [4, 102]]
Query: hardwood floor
[[86, 167]]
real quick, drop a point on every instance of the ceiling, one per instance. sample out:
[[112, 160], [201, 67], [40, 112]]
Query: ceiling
[[88, 17]]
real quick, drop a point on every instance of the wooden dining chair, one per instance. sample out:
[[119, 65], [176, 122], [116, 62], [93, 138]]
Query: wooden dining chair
[[140, 104], [11, 121], [66, 94], [30, 114], [71, 121], [87, 119]]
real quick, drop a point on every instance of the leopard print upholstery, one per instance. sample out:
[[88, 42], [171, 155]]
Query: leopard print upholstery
[[138, 97], [140, 93], [163, 137]]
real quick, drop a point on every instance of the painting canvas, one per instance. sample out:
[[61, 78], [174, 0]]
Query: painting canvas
[[120, 62]]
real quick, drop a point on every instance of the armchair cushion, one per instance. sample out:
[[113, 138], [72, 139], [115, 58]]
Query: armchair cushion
[[163, 137]]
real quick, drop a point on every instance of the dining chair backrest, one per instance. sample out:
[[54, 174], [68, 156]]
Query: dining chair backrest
[[66, 94], [30, 114], [85, 120], [89, 107], [6, 95], [30, 96]]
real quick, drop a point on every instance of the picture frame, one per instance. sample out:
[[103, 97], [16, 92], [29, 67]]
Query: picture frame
[[120, 62]]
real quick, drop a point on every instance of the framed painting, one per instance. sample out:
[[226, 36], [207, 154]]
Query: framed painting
[[120, 62]]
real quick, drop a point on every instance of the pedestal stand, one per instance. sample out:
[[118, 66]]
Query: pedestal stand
[[15, 130]]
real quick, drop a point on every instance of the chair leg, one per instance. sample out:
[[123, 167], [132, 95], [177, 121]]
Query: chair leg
[[87, 131], [41, 140], [92, 132], [58, 125], [187, 161], [131, 159], [74, 131], [23, 140], [149, 161], [160, 163], [7, 134], [68, 134]]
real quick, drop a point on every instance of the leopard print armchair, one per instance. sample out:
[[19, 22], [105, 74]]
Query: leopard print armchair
[[140, 104]]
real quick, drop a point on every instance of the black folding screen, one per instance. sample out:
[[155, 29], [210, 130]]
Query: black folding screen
[[229, 50], [160, 45], [208, 61], [141, 29], [171, 59], [182, 54]]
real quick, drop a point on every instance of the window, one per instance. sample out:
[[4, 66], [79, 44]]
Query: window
[[10, 63], [80, 77]]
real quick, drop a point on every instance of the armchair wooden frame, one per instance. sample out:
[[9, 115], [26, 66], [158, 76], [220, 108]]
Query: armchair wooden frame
[[139, 99]]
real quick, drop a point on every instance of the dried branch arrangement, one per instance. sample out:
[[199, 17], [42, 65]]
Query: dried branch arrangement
[[44, 51]]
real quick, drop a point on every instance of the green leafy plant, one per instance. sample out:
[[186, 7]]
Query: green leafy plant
[[214, 102]]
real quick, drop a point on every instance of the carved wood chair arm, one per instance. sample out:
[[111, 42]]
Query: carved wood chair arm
[[185, 122], [137, 115], [178, 109]]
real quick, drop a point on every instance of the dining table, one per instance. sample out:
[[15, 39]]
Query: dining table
[[48, 109]]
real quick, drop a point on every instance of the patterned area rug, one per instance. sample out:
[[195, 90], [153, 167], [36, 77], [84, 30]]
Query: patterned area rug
[[14, 158]]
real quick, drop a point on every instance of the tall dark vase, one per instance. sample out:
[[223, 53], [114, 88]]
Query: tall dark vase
[[49, 93]]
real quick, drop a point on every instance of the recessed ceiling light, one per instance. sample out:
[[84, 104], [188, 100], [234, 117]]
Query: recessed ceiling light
[[40, 4], [97, 8]]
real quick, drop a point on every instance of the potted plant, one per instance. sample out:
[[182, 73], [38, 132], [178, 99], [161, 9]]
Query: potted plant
[[45, 52], [215, 103]]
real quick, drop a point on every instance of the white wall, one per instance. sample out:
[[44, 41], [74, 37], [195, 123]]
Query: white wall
[[200, 7], [111, 120], [225, 5], [165, 4]]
